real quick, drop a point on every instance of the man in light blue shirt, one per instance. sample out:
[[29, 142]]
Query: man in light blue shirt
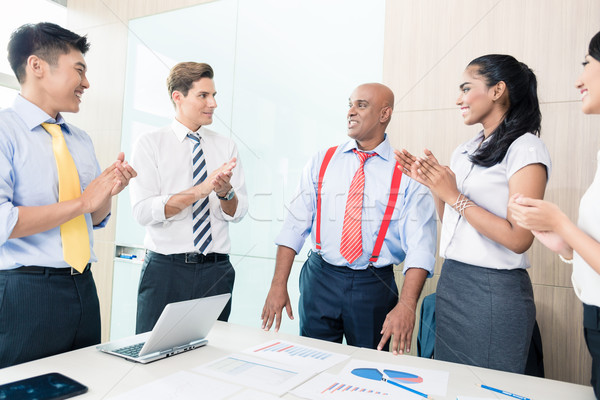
[[48, 307], [357, 298]]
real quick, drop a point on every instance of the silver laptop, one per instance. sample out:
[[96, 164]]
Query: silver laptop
[[182, 326]]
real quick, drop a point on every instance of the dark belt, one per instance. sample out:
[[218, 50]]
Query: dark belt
[[368, 267], [195, 258], [34, 269]]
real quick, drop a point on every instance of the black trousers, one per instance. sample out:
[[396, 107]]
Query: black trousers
[[339, 301], [170, 278], [591, 331], [45, 313]]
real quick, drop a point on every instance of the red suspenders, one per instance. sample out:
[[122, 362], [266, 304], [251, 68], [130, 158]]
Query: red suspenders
[[389, 210], [324, 164]]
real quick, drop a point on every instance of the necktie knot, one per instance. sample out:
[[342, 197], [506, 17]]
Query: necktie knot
[[194, 138], [362, 156], [53, 129]]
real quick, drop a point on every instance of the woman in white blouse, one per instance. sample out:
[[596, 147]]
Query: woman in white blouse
[[485, 311], [578, 244]]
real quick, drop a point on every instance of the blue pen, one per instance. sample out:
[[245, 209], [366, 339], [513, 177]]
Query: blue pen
[[504, 392], [406, 388]]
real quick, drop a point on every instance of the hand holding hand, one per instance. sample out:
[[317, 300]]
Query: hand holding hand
[[438, 178], [534, 214], [123, 173], [219, 176], [221, 180], [99, 191], [407, 163], [554, 242]]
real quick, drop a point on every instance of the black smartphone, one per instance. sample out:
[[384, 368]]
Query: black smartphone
[[50, 386]]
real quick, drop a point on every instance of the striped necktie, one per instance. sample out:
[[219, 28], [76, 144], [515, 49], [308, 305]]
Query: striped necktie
[[200, 210], [73, 233], [351, 243]]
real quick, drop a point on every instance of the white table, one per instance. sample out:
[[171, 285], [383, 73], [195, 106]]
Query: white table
[[107, 375]]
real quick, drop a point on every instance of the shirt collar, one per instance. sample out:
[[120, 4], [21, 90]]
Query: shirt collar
[[471, 146], [181, 130], [383, 150], [33, 116]]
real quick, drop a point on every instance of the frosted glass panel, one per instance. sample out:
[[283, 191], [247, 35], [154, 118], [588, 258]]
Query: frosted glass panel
[[126, 276], [283, 72], [296, 65]]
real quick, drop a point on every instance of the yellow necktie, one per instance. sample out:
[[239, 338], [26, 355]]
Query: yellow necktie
[[74, 233]]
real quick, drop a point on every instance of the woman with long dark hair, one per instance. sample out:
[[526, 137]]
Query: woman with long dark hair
[[485, 311], [576, 244]]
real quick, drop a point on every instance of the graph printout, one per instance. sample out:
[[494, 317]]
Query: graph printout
[[329, 386], [304, 357], [428, 381], [257, 373]]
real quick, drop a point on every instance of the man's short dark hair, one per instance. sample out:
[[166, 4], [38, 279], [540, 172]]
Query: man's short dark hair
[[183, 75], [45, 40]]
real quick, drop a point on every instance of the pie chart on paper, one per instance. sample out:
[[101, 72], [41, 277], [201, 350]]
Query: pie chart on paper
[[403, 377]]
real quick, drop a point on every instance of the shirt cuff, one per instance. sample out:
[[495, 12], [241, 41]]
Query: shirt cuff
[[291, 239], [10, 215], [158, 208], [423, 260], [102, 223], [237, 216]]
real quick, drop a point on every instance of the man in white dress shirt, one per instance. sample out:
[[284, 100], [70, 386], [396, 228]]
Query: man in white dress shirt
[[191, 186]]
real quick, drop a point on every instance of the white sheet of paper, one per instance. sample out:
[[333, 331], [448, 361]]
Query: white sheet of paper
[[251, 394], [297, 355], [474, 398], [255, 372], [433, 381], [182, 385]]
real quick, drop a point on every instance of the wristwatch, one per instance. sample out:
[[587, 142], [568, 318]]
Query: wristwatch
[[228, 196]]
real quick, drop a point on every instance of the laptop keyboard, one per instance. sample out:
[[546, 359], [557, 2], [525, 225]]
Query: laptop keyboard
[[131, 351]]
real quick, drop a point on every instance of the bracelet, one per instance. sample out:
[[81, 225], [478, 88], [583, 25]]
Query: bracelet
[[462, 203], [565, 260]]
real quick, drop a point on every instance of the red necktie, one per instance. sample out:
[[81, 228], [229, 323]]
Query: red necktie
[[351, 244]]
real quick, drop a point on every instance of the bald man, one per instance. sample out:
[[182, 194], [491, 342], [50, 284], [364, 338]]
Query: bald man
[[347, 285]]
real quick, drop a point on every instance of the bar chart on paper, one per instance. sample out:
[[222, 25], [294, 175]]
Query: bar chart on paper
[[292, 353], [342, 387], [329, 386]]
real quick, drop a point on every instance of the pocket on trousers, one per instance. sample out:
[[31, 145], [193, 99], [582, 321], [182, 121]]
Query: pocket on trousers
[[144, 272], [3, 284]]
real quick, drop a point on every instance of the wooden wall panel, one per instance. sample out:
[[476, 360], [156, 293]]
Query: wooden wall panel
[[560, 317]]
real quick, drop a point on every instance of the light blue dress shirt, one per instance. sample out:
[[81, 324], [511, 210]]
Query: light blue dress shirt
[[411, 236], [28, 177]]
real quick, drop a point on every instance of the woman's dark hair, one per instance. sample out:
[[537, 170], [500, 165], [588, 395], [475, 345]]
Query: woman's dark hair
[[594, 48], [523, 113]]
